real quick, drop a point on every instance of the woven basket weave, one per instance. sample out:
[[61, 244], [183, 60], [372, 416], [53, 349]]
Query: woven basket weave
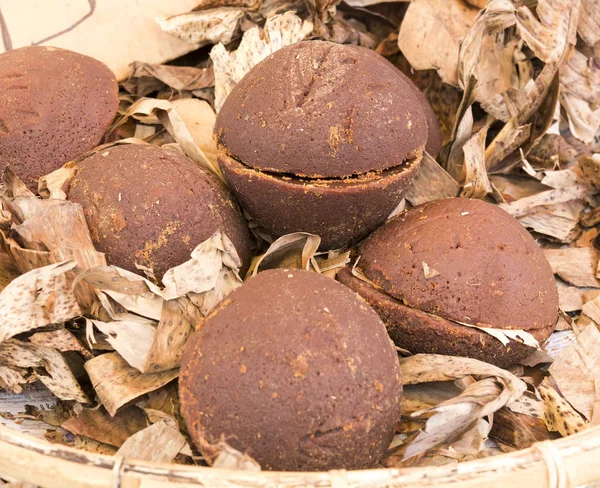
[[564, 463]]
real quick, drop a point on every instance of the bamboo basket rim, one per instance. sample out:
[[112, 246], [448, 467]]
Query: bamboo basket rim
[[563, 463]]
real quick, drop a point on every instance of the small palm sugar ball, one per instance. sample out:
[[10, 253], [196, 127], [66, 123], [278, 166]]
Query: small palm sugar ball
[[457, 261], [150, 206], [54, 106], [322, 138], [297, 371]]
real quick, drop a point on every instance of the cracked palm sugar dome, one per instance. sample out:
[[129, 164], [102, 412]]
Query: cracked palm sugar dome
[[295, 370], [150, 206], [54, 106], [456, 261], [322, 138]]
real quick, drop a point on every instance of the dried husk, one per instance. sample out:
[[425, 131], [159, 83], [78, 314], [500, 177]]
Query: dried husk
[[36, 299], [452, 418], [117, 383], [98, 425], [230, 67], [294, 251], [577, 373]]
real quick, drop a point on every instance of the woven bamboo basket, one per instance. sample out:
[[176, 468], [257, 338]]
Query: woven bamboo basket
[[570, 462]]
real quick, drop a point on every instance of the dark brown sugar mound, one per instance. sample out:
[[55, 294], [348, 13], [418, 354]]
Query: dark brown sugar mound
[[434, 133], [457, 261], [150, 206], [54, 106], [317, 114], [297, 371]]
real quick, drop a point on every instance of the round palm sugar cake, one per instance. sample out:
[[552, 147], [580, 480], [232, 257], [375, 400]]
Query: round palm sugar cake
[[296, 370], [150, 206], [457, 261], [54, 106], [323, 138]]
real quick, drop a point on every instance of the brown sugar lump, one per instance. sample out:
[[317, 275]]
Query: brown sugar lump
[[322, 138], [295, 370], [150, 206], [452, 262], [434, 133], [54, 106]]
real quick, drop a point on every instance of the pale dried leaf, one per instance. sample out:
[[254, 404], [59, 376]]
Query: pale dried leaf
[[205, 26], [36, 299], [449, 420], [431, 183], [146, 304], [179, 318], [279, 31], [496, 73], [53, 185], [289, 251], [116, 383], [429, 272], [51, 231], [525, 205], [506, 335], [426, 395], [472, 442], [554, 33], [222, 455], [589, 21], [583, 121], [580, 95], [230, 458], [181, 126], [12, 379], [575, 265], [62, 340], [590, 169], [558, 341], [334, 261], [431, 32], [497, 16], [101, 427], [131, 339], [214, 258], [17, 355], [560, 221], [475, 182], [528, 404], [199, 118], [592, 309], [159, 443], [570, 298], [146, 78], [456, 158], [576, 371], [559, 416]]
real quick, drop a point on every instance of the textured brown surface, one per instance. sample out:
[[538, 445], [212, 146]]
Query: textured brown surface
[[54, 105], [320, 109], [296, 370], [339, 211], [422, 332], [491, 271], [434, 134], [152, 206]]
